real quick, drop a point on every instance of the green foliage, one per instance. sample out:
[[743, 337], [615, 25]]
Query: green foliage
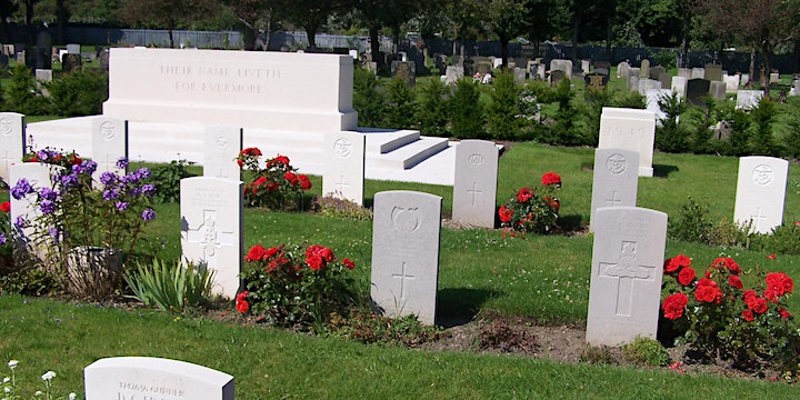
[[167, 179], [23, 95], [670, 135], [564, 132], [466, 111], [698, 123], [692, 223], [366, 327], [433, 99], [738, 122], [401, 106], [27, 281], [504, 113], [533, 210], [664, 58], [170, 286], [599, 355], [367, 99], [79, 93], [277, 186], [594, 101], [646, 351], [784, 239], [335, 207], [791, 141], [762, 117], [629, 99]]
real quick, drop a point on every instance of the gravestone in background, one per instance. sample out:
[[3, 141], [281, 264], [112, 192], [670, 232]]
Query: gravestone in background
[[12, 142], [634, 73], [104, 58], [520, 76], [615, 179], [698, 73], [745, 79], [602, 64], [623, 69], [211, 229], [406, 71], [562, 65], [405, 253], [665, 79], [540, 72], [70, 62], [73, 48], [627, 267], [585, 66], [475, 184], [774, 77], [653, 97], [556, 76], [633, 80], [748, 99], [655, 72], [223, 143], [624, 128], [343, 177], [761, 192], [717, 90], [146, 378], [685, 73], [596, 80], [483, 67], [713, 72], [731, 83], [679, 85], [454, 74], [3, 60], [648, 84], [44, 75], [109, 144], [644, 72], [696, 90]]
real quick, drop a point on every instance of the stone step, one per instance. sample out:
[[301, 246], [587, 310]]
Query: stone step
[[381, 141], [409, 155]]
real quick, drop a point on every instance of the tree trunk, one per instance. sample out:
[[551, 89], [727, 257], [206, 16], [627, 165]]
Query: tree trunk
[[687, 22], [62, 14], [766, 67], [752, 65], [375, 45], [268, 30], [576, 26], [249, 37], [504, 52], [311, 32], [171, 38], [29, 21]]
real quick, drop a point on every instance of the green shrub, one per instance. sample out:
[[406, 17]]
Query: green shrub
[[533, 210], [277, 186], [784, 239], [466, 111], [401, 107], [504, 113], [670, 135], [170, 286], [791, 134], [692, 223], [594, 101], [564, 132], [629, 99], [80, 93], [433, 98], [23, 95], [366, 327], [762, 117], [645, 351], [730, 234], [600, 355], [699, 123], [167, 179], [334, 207], [367, 98]]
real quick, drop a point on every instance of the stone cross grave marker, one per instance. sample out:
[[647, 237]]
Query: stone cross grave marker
[[748, 99], [147, 378], [405, 253], [222, 145], [12, 142], [696, 90], [761, 192], [211, 229], [343, 176], [109, 144], [39, 176], [615, 179], [624, 128], [475, 184], [625, 285]]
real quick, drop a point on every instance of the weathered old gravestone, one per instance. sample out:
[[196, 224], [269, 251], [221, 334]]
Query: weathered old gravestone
[[698, 73], [713, 72], [483, 67], [685, 73], [109, 144], [222, 145], [717, 90], [24, 210], [748, 99], [585, 66], [343, 177], [540, 72], [104, 58], [405, 70], [602, 64], [679, 85], [475, 185], [745, 79], [644, 72], [3, 60], [625, 285], [653, 97], [405, 253], [564, 66], [623, 69], [731, 83], [774, 77], [655, 72], [211, 229], [12, 142], [146, 378], [665, 79], [633, 81], [44, 75], [556, 76], [454, 74], [623, 128], [697, 90], [648, 84], [761, 192], [73, 48], [615, 179], [520, 75], [596, 80], [634, 73], [70, 62]]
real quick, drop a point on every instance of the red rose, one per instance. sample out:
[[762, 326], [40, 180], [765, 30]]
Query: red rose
[[305, 183], [555, 204], [735, 282], [272, 186], [505, 214], [749, 295], [281, 160], [256, 253], [317, 256], [778, 284], [748, 316], [349, 264], [757, 304], [551, 178], [524, 195], [260, 181], [291, 178], [251, 151], [784, 313], [708, 291], [772, 256], [241, 302], [727, 262], [686, 276], [34, 158], [677, 262], [241, 164], [673, 305], [271, 252], [5, 206], [75, 160]]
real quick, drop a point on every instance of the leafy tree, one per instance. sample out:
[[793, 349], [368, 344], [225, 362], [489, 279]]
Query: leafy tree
[[466, 111], [670, 135], [166, 14], [377, 14], [401, 108], [504, 113], [368, 100], [506, 19], [433, 108], [311, 15], [255, 15]]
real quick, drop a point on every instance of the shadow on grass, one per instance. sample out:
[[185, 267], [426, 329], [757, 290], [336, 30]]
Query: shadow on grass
[[457, 306], [570, 223], [663, 171]]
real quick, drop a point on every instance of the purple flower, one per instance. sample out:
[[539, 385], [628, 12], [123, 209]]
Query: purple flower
[[3, 238], [48, 194], [21, 222], [43, 155], [90, 166], [121, 205], [148, 189], [131, 178], [47, 206], [78, 168], [53, 232], [70, 180], [148, 214], [21, 189], [110, 194], [122, 163], [107, 178], [143, 173]]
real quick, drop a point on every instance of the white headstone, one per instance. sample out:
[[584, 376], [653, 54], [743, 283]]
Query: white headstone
[[623, 69], [761, 192], [475, 185], [405, 253], [343, 176], [685, 73], [745, 79], [44, 75], [633, 80], [585, 66], [353, 53], [454, 73], [222, 145], [109, 144], [146, 378], [73, 48], [748, 99], [615, 179], [562, 65], [679, 85], [731, 83], [12, 142], [625, 285], [698, 73], [624, 128], [717, 90], [211, 229], [795, 90], [648, 84], [38, 176], [774, 77], [497, 62]]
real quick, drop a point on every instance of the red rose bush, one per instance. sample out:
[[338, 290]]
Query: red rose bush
[[718, 317], [294, 286], [533, 210], [277, 186]]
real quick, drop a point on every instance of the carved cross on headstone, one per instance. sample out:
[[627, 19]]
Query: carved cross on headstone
[[474, 191], [626, 270], [403, 276], [210, 237], [757, 218], [341, 184], [613, 201]]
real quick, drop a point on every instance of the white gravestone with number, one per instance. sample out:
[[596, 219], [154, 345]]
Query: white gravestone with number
[[761, 192], [222, 145], [625, 283], [12, 142], [147, 378], [475, 185], [615, 180], [624, 128], [343, 177], [109, 144], [405, 253], [211, 229]]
